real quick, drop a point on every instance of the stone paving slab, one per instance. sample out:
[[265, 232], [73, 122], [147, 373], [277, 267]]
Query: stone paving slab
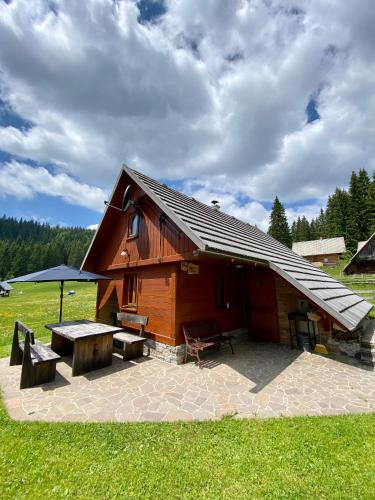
[[260, 380]]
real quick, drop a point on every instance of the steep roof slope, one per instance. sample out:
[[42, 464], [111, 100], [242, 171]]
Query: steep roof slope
[[364, 252], [360, 245], [216, 231], [320, 247]]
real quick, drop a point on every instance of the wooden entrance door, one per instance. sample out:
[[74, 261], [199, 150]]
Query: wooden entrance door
[[262, 307]]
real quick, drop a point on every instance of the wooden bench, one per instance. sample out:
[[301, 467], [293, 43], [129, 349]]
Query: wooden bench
[[201, 335], [128, 343], [38, 361]]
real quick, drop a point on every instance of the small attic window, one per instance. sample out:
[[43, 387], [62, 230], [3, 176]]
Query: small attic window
[[133, 225]]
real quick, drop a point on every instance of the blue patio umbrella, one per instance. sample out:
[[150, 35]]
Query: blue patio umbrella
[[60, 273]]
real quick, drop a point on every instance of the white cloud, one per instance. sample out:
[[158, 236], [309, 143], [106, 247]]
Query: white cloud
[[24, 182], [215, 91], [93, 226]]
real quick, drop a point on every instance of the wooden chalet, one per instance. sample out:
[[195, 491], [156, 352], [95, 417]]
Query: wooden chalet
[[325, 251], [363, 262], [177, 261]]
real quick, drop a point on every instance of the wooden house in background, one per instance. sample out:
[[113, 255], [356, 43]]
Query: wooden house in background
[[363, 262], [323, 251], [177, 260]]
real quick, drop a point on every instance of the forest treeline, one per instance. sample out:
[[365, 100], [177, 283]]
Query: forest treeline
[[349, 213], [27, 246]]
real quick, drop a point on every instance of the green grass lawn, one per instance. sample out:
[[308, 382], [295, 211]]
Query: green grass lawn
[[38, 304], [317, 457], [321, 457]]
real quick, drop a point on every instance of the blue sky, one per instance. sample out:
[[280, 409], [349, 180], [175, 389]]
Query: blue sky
[[234, 101]]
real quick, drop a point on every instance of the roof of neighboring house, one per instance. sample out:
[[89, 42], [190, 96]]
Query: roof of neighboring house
[[361, 253], [360, 245], [215, 232], [326, 246], [5, 286]]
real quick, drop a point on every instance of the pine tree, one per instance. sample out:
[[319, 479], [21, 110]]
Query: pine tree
[[364, 187], [336, 214], [294, 231], [313, 230], [279, 228], [352, 227], [305, 229], [371, 206], [358, 224]]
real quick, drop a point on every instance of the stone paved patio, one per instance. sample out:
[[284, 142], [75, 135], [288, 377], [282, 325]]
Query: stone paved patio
[[262, 380]]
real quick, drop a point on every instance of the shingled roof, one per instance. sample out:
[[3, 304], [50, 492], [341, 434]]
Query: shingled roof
[[326, 246], [218, 233]]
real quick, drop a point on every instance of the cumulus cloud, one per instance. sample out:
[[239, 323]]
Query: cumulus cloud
[[24, 182], [213, 92]]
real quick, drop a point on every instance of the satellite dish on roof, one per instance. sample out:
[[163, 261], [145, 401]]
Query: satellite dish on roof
[[126, 200]]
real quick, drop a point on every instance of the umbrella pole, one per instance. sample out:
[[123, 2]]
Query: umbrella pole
[[61, 298]]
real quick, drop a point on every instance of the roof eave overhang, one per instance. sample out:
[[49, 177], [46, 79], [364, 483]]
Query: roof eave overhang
[[218, 254], [319, 302]]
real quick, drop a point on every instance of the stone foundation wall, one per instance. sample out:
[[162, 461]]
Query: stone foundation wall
[[169, 353], [176, 354], [350, 348]]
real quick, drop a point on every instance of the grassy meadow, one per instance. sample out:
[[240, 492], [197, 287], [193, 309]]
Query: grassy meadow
[[302, 457], [36, 304]]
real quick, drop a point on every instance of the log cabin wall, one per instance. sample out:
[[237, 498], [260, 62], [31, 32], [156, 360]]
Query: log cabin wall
[[197, 297], [333, 258], [155, 298]]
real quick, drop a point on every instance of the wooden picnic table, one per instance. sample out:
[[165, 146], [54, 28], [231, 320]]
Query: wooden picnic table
[[89, 342]]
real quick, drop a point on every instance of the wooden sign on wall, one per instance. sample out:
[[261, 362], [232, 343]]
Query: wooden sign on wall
[[190, 268], [193, 268]]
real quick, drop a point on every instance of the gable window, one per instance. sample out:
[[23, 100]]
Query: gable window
[[133, 225], [130, 290]]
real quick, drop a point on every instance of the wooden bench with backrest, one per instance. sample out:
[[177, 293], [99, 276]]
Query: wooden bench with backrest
[[200, 335], [38, 360], [130, 343]]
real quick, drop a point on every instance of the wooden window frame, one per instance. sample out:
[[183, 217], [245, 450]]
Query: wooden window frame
[[130, 224], [130, 303]]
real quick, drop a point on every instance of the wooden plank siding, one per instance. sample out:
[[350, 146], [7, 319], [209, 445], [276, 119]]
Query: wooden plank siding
[[158, 237], [262, 305], [196, 297], [333, 258], [156, 291]]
